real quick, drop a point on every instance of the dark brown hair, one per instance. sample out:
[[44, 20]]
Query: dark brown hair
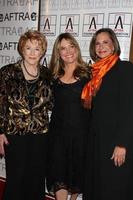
[[112, 36]]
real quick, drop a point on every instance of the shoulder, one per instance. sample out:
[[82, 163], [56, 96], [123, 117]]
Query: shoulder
[[45, 73], [124, 67], [44, 69], [125, 70], [8, 70], [87, 74], [84, 80], [125, 64], [7, 67]]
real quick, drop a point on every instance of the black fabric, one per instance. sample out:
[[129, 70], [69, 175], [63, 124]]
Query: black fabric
[[112, 125], [67, 138], [25, 167]]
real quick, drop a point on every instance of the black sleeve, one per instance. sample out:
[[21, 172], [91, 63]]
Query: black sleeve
[[125, 110], [3, 102]]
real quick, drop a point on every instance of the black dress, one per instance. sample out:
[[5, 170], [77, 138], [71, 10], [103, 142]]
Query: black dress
[[111, 126], [67, 136]]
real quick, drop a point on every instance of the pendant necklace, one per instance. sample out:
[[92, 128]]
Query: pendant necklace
[[31, 75]]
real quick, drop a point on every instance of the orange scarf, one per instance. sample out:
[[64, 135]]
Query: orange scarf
[[99, 69]]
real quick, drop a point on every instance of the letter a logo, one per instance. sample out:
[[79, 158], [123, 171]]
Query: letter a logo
[[93, 23], [119, 22], [47, 25], [69, 24], [45, 62]]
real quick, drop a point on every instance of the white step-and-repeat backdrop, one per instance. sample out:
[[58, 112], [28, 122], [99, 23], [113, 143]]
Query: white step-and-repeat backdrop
[[16, 16], [83, 17], [79, 17]]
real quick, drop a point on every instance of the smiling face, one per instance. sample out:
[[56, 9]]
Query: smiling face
[[103, 45], [32, 52], [68, 52]]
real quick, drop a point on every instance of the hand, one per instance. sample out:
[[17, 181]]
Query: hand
[[3, 141], [119, 156]]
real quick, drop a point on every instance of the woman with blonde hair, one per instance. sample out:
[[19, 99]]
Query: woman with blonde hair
[[69, 121]]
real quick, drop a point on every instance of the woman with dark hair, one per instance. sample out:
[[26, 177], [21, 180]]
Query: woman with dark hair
[[69, 121], [109, 95], [25, 99]]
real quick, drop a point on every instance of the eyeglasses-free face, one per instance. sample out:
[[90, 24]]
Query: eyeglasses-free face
[[32, 52], [104, 45], [68, 52]]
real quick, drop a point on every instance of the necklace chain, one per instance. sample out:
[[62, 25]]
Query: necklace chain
[[33, 76]]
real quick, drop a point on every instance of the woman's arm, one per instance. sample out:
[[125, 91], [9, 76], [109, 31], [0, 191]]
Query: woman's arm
[[125, 114], [3, 141], [3, 108]]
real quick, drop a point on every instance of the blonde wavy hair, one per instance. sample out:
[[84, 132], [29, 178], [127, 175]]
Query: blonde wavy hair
[[57, 65]]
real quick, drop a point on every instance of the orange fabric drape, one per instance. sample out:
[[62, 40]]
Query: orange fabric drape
[[99, 69]]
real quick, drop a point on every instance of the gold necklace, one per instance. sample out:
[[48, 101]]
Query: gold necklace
[[33, 76]]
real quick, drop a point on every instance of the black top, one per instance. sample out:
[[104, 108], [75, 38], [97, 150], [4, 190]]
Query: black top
[[112, 114], [111, 126], [68, 113], [69, 129]]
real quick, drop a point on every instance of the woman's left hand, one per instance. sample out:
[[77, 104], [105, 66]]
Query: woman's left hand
[[119, 155]]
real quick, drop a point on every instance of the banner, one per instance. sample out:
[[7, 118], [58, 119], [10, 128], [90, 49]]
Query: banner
[[82, 18], [16, 17]]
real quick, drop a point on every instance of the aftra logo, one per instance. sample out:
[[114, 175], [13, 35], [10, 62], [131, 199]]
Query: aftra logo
[[47, 25], [18, 16], [119, 23], [69, 24], [93, 23], [8, 45]]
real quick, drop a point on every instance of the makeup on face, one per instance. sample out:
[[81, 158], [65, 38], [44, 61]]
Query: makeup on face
[[104, 45]]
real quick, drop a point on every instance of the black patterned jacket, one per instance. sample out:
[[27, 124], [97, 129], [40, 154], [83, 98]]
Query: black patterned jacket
[[17, 116]]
